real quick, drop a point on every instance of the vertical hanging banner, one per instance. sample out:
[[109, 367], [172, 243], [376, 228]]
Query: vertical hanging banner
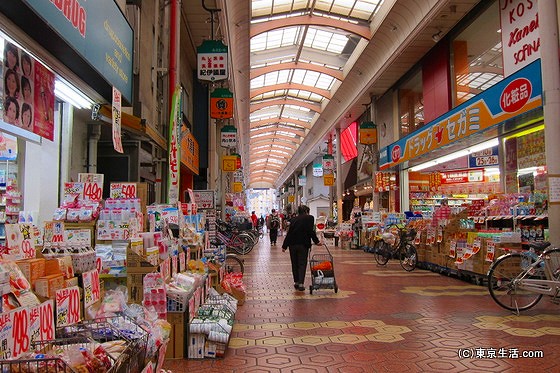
[[228, 136], [221, 104], [368, 133], [117, 115], [174, 125], [328, 170], [212, 58]]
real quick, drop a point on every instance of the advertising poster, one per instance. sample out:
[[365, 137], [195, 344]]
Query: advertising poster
[[28, 92], [8, 149]]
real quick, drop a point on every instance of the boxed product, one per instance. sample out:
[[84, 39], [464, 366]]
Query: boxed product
[[47, 286], [58, 265], [32, 268]]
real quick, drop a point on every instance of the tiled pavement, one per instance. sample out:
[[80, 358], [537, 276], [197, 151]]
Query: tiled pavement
[[382, 319]]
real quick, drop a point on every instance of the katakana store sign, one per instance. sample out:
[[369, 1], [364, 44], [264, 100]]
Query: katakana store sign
[[212, 61]]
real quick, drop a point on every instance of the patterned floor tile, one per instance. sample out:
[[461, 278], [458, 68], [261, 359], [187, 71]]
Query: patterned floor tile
[[382, 319]]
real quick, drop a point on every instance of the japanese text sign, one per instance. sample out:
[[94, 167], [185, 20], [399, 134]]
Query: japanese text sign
[[67, 306]]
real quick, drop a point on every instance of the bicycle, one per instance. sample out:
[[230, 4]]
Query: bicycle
[[233, 264], [517, 281], [399, 245]]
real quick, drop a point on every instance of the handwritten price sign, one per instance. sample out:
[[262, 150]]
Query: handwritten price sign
[[123, 190], [20, 332], [41, 322], [84, 191], [67, 306], [91, 287]]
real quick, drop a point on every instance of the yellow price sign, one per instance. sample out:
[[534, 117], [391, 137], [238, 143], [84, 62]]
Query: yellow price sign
[[328, 180]]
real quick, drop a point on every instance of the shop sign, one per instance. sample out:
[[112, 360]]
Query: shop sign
[[212, 58], [489, 108], [328, 180], [116, 119], [238, 176], [237, 187], [204, 199], [520, 34], [483, 158], [221, 103], [302, 180], [189, 152], [317, 170], [368, 133], [174, 145], [98, 31], [229, 163], [328, 164], [228, 135], [291, 198]]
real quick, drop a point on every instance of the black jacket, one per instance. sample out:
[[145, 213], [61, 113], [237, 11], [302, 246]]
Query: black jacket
[[301, 232]]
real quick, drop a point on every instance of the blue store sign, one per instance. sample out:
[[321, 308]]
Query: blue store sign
[[98, 31]]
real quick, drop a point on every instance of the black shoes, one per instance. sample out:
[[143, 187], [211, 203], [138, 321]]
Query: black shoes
[[299, 287]]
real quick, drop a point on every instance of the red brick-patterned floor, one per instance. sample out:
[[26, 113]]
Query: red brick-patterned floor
[[382, 319]]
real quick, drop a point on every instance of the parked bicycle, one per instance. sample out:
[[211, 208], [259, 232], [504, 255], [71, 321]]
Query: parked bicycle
[[240, 242], [396, 242], [518, 280]]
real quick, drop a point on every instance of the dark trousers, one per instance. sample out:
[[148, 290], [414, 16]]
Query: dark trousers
[[273, 234], [298, 256]]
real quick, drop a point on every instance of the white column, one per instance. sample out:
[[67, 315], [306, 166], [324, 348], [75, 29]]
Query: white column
[[339, 188], [551, 102]]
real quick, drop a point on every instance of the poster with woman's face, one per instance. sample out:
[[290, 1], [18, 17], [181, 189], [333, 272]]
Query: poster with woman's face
[[28, 92]]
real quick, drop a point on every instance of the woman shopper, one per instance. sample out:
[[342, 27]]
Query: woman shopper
[[298, 239], [273, 224]]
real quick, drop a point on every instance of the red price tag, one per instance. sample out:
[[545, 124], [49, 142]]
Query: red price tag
[[20, 332], [93, 191], [67, 306], [98, 264], [27, 249], [46, 314], [128, 191]]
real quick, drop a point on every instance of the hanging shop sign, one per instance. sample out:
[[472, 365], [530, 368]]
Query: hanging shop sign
[[229, 163], [32, 106], [221, 104], [368, 133], [513, 96], [520, 34], [328, 164], [98, 31], [385, 181], [117, 115], [228, 135], [302, 180], [486, 157], [174, 148], [189, 152], [328, 180], [212, 61], [317, 169]]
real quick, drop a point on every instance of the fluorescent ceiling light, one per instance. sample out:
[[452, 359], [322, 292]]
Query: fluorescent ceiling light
[[458, 154], [71, 95]]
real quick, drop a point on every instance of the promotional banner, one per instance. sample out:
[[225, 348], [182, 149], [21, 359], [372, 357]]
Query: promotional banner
[[28, 92], [174, 148], [117, 115]]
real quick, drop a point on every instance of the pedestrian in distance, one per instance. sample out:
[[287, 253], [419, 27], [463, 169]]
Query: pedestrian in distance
[[254, 220], [273, 225], [300, 234]]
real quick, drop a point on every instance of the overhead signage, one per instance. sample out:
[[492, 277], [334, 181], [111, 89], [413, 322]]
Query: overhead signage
[[486, 157], [520, 34], [228, 136], [221, 103], [507, 99], [317, 169], [98, 31], [189, 152], [212, 58]]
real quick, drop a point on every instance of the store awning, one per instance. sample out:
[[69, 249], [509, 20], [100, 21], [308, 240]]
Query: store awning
[[135, 125]]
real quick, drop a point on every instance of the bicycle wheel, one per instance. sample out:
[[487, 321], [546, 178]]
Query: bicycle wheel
[[243, 244], [502, 283], [382, 250], [233, 264], [408, 257]]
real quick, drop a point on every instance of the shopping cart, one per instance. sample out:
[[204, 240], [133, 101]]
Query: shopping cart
[[322, 271]]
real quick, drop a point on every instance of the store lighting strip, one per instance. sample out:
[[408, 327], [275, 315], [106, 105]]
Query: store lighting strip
[[71, 95], [459, 154]]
